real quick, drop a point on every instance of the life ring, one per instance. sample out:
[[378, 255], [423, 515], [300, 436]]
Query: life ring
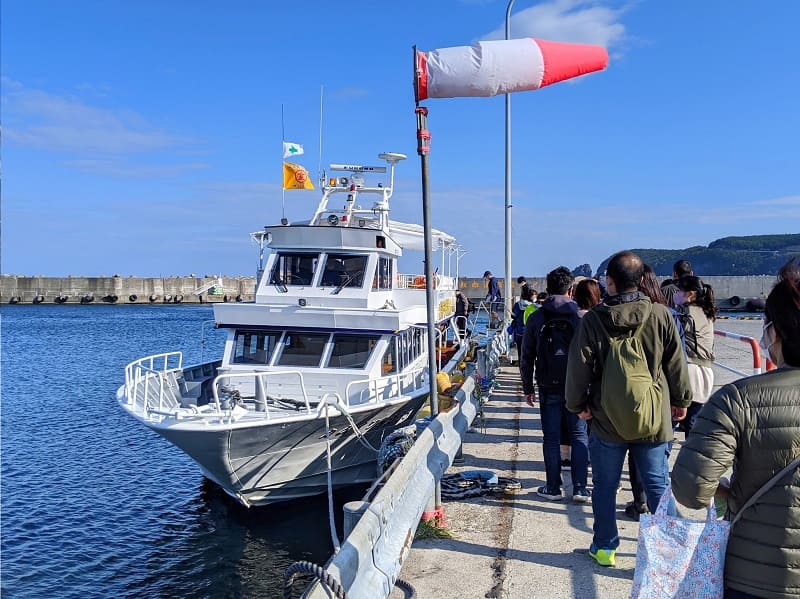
[[178, 299], [132, 297], [735, 300], [38, 299], [238, 298], [153, 298], [418, 283]]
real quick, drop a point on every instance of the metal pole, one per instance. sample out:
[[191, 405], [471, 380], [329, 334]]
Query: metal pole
[[423, 148], [423, 139], [508, 289]]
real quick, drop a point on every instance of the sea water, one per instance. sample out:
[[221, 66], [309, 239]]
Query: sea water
[[96, 505]]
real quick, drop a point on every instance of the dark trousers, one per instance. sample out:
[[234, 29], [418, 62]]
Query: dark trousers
[[734, 594], [553, 410]]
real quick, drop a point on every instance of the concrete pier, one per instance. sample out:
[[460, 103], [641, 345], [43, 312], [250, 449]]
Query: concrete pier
[[522, 545], [124, 290], [142, 290]]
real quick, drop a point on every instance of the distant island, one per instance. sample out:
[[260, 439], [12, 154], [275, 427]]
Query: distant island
[[732, 256]]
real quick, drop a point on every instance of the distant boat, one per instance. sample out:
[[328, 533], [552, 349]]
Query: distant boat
[[333, 324]]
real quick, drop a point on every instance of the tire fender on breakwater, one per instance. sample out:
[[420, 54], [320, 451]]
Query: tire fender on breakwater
[[167, 299], [238, 298], [735, 300], [153, 298], [88, 298], [61, 298], [132, 297], [178, 299], [38, 299], [14, 299]]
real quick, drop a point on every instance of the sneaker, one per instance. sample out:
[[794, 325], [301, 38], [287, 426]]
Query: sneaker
[[549, 494], [581, 496], [566, 464], [633, 510], [604, 557]]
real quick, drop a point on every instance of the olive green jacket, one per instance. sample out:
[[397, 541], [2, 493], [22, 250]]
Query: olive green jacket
[[753, 425], [665, 357]]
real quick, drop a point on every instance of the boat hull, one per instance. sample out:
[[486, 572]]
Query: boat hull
[[273, 461]]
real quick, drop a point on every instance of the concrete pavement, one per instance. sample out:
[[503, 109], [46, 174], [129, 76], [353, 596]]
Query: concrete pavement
[[521, 545]]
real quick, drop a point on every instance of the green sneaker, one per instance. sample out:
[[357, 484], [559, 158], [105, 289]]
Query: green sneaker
[[604, 557]]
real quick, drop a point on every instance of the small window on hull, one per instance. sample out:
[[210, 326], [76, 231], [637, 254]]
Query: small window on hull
[[303, 349], [254, 347], [351, 351]]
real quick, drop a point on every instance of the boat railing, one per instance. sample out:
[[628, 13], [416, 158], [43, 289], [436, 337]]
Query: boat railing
[[759, 363], [418, 282], [149, 379], [385, 388], [260, 381]]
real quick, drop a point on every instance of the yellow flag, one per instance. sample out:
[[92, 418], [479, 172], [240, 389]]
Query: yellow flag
[[296, 177]]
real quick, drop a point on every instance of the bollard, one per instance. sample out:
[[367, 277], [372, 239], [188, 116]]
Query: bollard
[[353, 510]]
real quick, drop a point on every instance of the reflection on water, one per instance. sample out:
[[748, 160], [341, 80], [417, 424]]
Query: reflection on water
[[94, 504]]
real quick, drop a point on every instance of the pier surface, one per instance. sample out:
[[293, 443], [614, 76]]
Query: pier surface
[[522, 545]]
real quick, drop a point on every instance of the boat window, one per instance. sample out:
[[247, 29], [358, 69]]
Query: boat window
[[351, 351], [294, 269], [344, 270], [302, 349], [389, 360], [254, 347], [383, 274]]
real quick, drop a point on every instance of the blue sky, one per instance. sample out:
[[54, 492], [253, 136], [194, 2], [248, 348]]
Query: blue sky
[[144, 138]]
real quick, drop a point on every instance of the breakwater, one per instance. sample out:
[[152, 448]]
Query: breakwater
[[732, 292], [125, 290]]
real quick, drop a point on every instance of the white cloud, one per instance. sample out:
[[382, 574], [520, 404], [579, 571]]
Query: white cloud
[[577, 21], [784, 201], [52, 122], [117, 168]]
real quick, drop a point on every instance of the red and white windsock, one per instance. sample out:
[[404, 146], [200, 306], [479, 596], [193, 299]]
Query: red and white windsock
[[501, 67]]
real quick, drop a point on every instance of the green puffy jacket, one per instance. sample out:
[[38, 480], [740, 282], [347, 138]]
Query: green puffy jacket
[[665, 357], [753, 425]]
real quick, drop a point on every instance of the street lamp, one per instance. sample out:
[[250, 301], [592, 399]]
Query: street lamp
[[508, 182]]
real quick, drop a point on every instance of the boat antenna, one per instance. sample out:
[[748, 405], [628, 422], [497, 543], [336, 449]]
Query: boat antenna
[[319, 163], [283, 187]]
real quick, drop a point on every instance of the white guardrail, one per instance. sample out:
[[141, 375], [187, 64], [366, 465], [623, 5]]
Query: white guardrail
[[370, 558]]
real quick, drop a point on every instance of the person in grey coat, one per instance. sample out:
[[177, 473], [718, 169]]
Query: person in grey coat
[[753, 425]]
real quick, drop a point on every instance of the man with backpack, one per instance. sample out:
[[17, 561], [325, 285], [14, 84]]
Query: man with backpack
[[627, 376], [545, 349]]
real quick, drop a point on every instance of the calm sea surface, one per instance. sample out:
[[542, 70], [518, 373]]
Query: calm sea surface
[[94, 504]]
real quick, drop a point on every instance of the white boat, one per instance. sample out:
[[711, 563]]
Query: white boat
[[334, 328]]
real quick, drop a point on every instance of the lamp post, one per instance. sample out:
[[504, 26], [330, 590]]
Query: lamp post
[[508, 290]]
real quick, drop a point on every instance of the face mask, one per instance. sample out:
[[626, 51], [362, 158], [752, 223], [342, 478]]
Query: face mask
[[767, 337], [679, 298]]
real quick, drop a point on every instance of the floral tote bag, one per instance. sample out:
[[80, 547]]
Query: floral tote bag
[[676, 557]]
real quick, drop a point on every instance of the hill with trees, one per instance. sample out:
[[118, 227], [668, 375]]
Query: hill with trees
[[733, 256]]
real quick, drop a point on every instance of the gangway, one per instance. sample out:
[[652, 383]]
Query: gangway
[[208, 286]]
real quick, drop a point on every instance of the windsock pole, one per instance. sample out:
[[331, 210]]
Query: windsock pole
[[436, 515]]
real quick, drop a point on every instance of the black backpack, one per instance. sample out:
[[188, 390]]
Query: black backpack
[[552, 350]]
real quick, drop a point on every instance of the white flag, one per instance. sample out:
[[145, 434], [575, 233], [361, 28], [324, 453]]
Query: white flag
[[290, 149]]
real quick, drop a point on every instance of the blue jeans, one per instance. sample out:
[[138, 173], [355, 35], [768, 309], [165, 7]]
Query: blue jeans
[[553, 409], [607, 460]]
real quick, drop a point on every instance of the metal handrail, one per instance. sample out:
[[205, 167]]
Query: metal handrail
[[373, 394], [758, 361], [259, 377], [147, 366]]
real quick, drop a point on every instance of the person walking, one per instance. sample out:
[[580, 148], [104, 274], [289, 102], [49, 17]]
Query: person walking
[[626, 324], [697, 311], [494, 298], [753, 426], [545, 344]]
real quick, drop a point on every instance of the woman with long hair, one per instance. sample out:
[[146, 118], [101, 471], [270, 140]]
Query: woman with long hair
[[695, 302], [753, 426], [586, 295]]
